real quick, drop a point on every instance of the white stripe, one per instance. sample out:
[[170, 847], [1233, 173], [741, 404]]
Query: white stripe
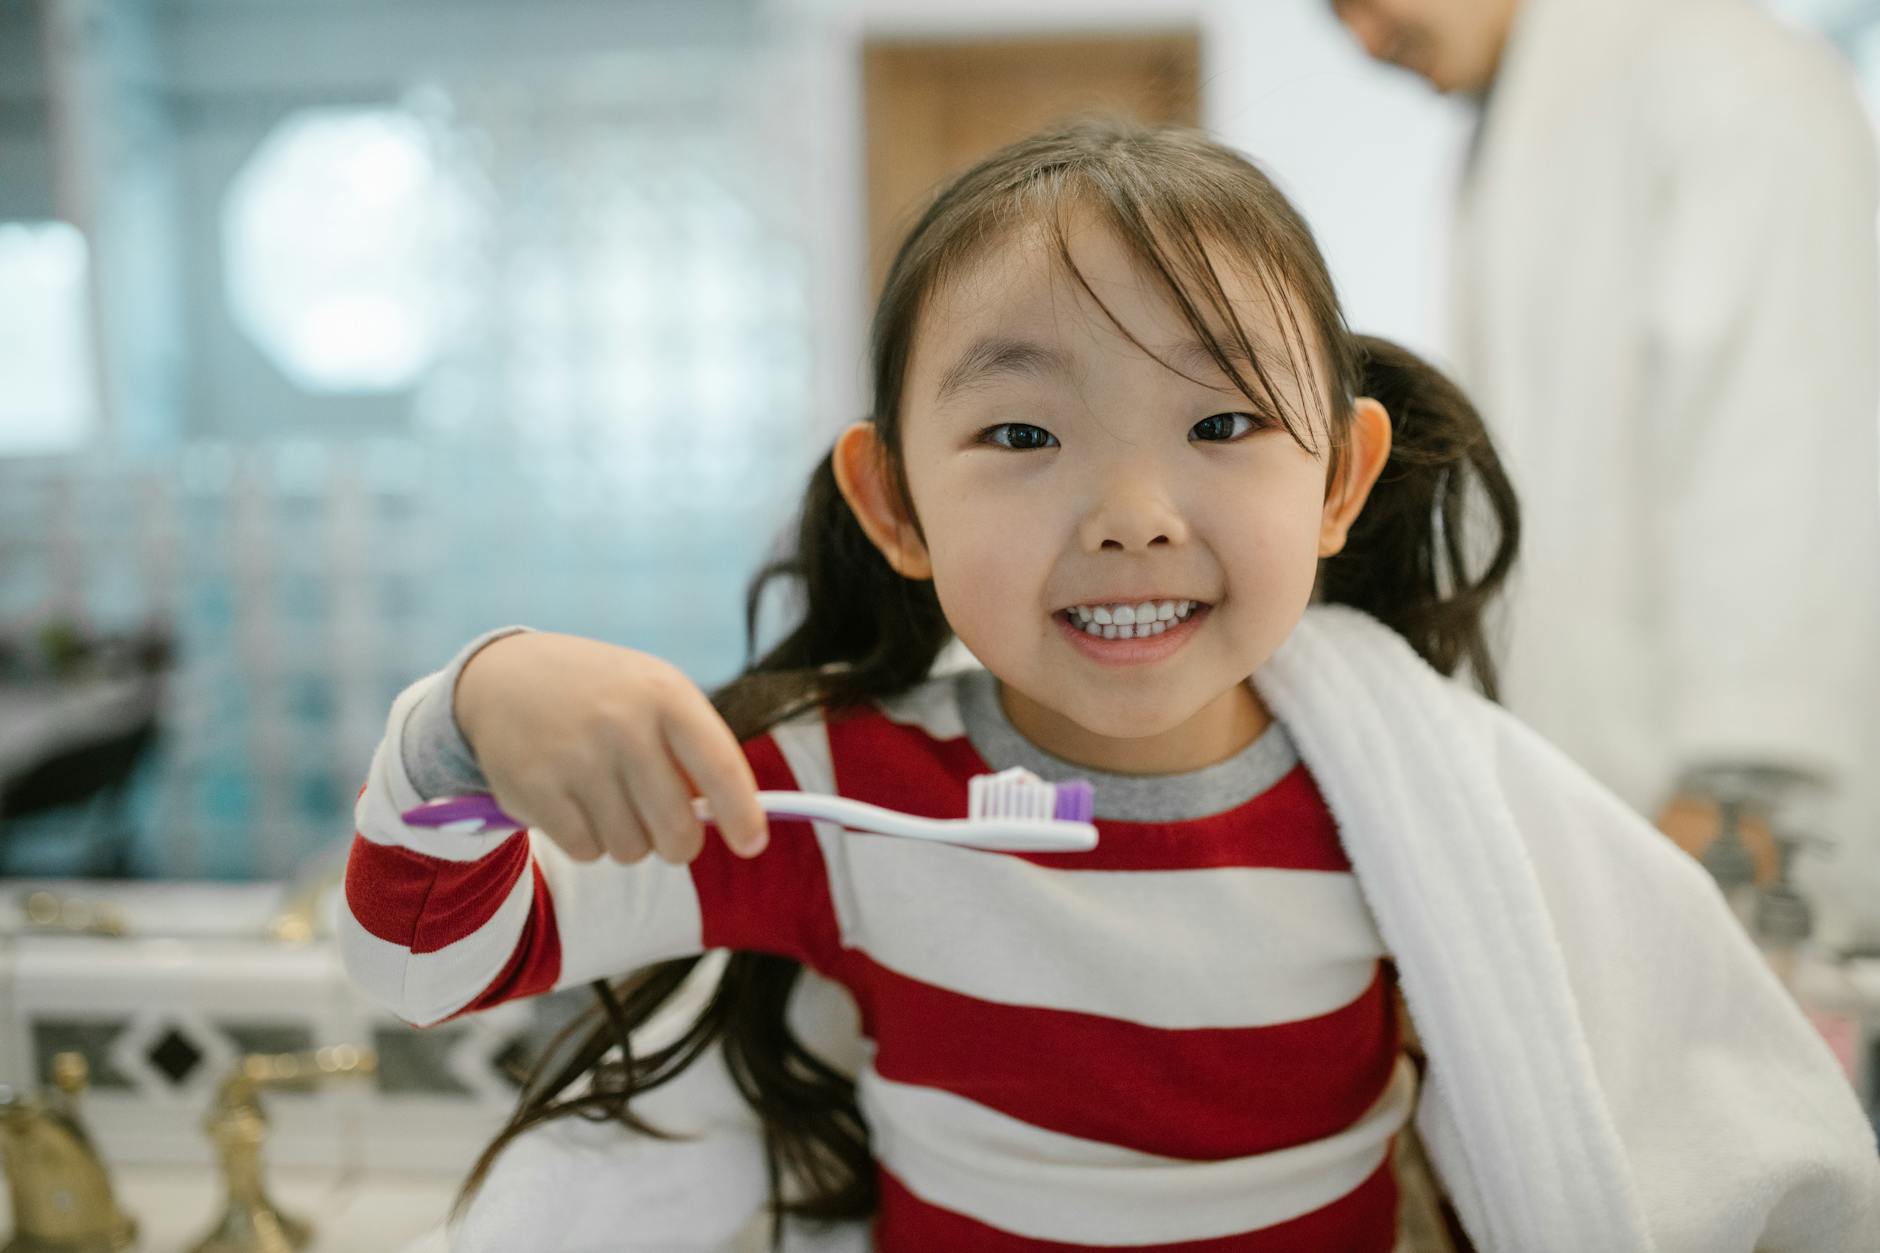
[[933, 707], [422, 988], [614, 918], [610, 919], [961, 1156], [804, 745], [1217, 947], [1267, 946]]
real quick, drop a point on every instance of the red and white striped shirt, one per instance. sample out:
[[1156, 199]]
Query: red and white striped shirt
[[1181, 1040]]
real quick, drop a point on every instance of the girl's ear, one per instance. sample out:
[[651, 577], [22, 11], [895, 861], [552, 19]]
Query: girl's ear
[[1365, 455], [861, 467]]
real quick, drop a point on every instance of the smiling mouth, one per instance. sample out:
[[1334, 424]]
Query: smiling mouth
[[1138, 620]]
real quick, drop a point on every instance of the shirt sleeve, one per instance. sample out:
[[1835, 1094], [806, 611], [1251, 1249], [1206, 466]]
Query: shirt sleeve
[[437, 757], [439, 923]]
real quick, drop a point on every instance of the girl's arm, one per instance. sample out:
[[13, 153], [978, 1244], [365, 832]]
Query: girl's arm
[[439, 923]]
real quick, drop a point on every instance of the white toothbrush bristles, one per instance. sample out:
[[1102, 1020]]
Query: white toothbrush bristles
[[1014, 794]]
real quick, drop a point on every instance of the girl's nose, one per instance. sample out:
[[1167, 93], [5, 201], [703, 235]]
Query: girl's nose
[[1131, 517]]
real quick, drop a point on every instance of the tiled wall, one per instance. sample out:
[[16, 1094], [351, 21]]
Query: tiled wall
[[620, 422]]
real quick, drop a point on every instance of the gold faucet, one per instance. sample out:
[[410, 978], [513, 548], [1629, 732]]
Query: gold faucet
[[76, 915], [297, 921], [62, 1201], [250, 1222]]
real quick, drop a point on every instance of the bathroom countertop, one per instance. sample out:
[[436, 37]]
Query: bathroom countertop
[[387, 1212]]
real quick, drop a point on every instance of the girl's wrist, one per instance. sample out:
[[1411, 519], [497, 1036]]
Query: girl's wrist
[[464, 705]]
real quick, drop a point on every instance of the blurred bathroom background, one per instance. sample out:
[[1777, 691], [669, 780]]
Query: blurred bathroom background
[[334, 333]]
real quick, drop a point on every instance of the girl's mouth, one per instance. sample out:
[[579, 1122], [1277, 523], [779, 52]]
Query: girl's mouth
[[1151, 630]]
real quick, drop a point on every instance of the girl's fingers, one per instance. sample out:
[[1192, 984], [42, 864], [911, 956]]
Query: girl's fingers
[[611, 814], [659, 798], [564, 823], [705, 748]]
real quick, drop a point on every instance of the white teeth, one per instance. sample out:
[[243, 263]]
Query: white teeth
[[1127, 631], [1148, 614]]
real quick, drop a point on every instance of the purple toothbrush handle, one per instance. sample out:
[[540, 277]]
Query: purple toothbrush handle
[[459, 809]]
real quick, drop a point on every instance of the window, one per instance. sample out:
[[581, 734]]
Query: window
[[339, 241], [49, 403]]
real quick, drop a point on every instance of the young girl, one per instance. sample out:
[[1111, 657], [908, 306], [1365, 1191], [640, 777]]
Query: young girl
[[1210, 549]]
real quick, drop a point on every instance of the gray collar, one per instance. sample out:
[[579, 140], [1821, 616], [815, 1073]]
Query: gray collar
[[1126, 797]]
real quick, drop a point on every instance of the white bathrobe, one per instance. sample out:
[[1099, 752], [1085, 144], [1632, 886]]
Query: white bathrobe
[[1665, 293], [1612, 1066]]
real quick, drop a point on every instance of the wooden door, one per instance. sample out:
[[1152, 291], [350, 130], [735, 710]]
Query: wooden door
[[933, 108]]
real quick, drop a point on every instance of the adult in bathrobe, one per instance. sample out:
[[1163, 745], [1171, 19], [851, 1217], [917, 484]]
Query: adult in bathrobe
[[1665, 299]]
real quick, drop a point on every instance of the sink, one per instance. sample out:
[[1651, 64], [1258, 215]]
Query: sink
[[163, 1012], [174, 909]]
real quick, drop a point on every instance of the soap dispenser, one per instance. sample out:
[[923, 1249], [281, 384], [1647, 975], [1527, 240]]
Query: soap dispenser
[[1783, 919]]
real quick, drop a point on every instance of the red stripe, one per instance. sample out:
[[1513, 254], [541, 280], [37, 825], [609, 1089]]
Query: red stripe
[[428, 903], [1288, 826], [778, 901], [535, 964], [1203, 1094], [1364, 1220]]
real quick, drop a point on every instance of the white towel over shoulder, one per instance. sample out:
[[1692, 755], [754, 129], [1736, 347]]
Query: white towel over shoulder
[[1612, 1063]]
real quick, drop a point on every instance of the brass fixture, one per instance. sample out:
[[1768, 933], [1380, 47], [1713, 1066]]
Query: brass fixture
[[250, 1222], [297, 921], [74, 915], [62, 1200]]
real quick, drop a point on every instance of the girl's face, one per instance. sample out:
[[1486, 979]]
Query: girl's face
[[1062, 476]]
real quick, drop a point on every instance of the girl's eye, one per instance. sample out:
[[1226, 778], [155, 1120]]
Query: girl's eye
[[1221, 427], [1021, 436]]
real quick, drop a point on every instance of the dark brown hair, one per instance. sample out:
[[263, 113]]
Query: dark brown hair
[[865, 632]]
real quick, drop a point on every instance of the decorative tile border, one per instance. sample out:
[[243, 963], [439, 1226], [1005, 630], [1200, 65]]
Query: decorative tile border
[[161, 1023]]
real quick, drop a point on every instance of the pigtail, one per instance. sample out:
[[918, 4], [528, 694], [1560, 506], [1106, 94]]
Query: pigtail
[[1407, 561]]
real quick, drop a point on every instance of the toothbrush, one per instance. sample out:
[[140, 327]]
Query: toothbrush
[[1012, 811]]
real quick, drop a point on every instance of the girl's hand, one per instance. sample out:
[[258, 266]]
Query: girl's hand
[[601, 748]]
